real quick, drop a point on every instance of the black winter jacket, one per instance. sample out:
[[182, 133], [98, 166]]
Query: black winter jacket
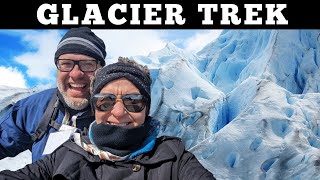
[[167, 160]]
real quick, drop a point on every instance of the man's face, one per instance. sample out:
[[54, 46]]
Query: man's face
[[75, 85]]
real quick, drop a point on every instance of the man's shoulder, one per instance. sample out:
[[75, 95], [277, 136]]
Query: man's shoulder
[[42, 96], [36, 100], [44, 93]]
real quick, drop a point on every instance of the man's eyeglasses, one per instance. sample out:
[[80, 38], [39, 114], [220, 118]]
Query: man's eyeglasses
[[66, 65], [132, 102]]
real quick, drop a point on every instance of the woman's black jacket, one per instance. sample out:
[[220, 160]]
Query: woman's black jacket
[[167, 160]]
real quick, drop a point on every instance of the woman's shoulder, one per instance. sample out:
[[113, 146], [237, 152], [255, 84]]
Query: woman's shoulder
[[70, 148], [170, 139], [172, 143]]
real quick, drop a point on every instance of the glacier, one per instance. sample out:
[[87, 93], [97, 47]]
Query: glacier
[[247, 104]]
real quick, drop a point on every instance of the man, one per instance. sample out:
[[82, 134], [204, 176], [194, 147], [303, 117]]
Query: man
[[79, 54]]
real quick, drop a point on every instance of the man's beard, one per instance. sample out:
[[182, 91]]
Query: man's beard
[[80, 104]]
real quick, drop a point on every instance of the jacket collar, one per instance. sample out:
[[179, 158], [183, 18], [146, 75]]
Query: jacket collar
[[160, 153]]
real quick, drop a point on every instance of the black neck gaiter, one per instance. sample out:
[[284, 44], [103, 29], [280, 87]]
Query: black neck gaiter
[[116, 139]]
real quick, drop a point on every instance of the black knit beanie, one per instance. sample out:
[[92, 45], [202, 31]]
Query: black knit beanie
[[82, 41], [130, 71]]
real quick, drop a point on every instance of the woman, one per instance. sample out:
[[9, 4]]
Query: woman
[[122, 143]]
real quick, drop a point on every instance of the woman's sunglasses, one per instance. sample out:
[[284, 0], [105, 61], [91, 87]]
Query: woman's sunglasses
[[132, 102]]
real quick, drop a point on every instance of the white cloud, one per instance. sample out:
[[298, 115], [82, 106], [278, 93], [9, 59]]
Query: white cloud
[[12, 77], [40, 60], [200, 39], [130, 42]]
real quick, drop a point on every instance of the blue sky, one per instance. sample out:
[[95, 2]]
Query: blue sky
[[26, 56]]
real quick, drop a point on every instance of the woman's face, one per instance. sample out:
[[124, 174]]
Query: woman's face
[[119, 115]]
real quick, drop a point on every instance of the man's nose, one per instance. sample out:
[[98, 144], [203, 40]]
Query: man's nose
[[76, 72]]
